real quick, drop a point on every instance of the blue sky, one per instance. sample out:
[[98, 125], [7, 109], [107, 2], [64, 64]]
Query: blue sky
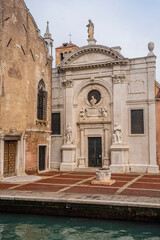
[[130, 24]]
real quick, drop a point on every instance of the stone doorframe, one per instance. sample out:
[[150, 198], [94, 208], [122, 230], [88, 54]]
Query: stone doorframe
[[102, 130], [20, 153]]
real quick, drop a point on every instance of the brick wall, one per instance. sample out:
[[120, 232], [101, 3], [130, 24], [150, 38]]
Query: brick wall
[[23, 64]]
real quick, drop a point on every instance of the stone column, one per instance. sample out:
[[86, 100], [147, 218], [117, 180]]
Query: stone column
[[1, 155], [153, 167], [106, 148], [69, 103], [151, 62], [68, 149], [82, 158], [24, 154], [119, 150], [49, 153], [18, 172]]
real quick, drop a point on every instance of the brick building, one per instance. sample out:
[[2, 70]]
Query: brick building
[[63, 51], [25, 91]]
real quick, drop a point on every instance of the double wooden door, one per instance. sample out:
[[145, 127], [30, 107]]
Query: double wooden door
[[10, 158], [94, 152]]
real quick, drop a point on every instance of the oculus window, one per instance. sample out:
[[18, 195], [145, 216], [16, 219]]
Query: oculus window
[[96, 94], [137, 121]]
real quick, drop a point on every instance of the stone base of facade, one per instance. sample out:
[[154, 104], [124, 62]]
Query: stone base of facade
[[68, 158], [134, 168], [106, 162], [153, 169], [67, 167], [81, 162], [55, 165], [119, 158], [117, 168]]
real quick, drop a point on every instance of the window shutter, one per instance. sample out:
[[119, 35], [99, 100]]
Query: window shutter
[[45, 100]]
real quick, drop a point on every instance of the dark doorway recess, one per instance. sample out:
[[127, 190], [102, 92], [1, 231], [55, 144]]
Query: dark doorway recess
[[94, 152], [42, 156]]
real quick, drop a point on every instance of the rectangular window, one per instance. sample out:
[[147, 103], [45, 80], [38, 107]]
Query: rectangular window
[[137, 122], [56, 124]]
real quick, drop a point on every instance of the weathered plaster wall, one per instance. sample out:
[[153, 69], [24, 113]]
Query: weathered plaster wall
[[23, 64]]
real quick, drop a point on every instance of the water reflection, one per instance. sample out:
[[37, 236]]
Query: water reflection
[[35, 227]]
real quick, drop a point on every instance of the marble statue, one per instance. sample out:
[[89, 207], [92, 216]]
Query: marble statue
[[82, 112], [69, 138], [117, 136], [90, 30], [104, 112], [93, 101]]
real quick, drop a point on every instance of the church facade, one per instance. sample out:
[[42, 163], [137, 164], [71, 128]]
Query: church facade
[[103, 110]]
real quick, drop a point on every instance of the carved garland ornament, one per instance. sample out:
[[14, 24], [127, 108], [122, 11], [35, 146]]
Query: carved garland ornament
[[67, 83], [93, 112]]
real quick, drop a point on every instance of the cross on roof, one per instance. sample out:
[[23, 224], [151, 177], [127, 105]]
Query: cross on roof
[[70, 35]]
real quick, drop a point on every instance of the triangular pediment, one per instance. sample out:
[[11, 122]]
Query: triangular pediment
[[91, 56]]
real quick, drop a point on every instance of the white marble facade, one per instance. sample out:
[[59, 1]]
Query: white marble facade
[[95, 89]]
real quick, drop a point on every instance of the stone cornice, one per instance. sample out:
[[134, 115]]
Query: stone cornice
[[93, 65], [93, 122]]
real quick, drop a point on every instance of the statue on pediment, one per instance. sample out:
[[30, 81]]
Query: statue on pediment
[[90, 29]]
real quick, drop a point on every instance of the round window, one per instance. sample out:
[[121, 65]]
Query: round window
[[94, 96]]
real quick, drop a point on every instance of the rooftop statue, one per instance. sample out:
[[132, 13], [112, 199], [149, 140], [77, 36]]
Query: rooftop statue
[[90, 29]]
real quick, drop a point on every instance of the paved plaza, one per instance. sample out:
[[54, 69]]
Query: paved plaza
[[128, 188]]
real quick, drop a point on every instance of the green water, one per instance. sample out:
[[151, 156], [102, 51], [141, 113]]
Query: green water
[[14, 226]]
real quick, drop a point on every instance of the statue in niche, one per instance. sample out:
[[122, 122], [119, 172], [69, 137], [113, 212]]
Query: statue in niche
[[117, 135], [82, 112], [93, 101], [69, 138], [104, 112], [90, 29]]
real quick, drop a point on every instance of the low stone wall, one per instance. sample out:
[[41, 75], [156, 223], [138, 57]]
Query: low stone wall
[[103, 211]]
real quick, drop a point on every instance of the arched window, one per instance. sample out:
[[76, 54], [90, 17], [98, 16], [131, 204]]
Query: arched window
[[42, 101], [62, 57]]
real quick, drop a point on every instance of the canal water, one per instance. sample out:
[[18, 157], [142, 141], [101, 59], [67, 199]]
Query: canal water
[[26, 227]]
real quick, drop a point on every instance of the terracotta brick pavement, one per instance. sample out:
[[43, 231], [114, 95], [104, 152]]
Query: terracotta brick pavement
[[75, 182]]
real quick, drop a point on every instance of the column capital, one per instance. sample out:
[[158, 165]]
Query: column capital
[[24, 136], [2, 136], [105, 128]]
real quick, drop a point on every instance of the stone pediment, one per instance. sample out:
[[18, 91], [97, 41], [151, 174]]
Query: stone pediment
[[92, 56]]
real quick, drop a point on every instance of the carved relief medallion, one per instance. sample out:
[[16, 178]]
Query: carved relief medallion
[[136, 87]]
